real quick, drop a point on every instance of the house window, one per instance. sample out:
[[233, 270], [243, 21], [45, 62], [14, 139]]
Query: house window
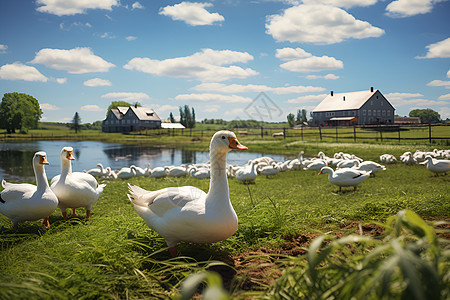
[[374, 113], [379, 113], [384, 113], [381, 102], [370, 112], [371, 102], [364, 112]]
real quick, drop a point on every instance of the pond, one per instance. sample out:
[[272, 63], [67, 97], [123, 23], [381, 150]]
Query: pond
[[15, 158]]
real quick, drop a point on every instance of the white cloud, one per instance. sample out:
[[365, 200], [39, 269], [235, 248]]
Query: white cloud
[[438, 50], [3, 48], [412, 99], [342, 3], [165, 107], [328, 76], [75, 61], [444, 97], [318, 24], [106, 35], [73, 7], [137, 5], [47, 106], [133, 97], [19, 71], [91, 108], [207, 65], [301, 61], [239, 88], [213, 98], [291, 53], [408, 8], [61, 80], [448, 74], [443, 83], [313, 64], [130, 38], [308, 98], [97, 82], [445, 113], [79, 25], [192, 13]]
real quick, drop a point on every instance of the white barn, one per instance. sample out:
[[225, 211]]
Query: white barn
[[368, 107]]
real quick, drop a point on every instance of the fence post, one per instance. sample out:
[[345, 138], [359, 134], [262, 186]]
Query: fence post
[[399, 133], [320, 133], [301, 130], [284, 133], [354, 133], [429, 132], [336, 133], [381, 133], [190, 131], [262, 133]]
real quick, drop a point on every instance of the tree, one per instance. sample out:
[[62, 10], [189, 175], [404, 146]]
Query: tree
[[172, 118], [19, 111], [301, 116], [426, 115], [291, 120], [76, 122], [187, 117]]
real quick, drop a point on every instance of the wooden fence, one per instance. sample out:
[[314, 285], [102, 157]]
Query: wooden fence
[[430, 133]]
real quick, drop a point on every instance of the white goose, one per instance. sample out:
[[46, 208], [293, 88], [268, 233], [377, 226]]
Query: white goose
[[97, 172], [345, 177], [269, 170], [176, 171], [187, 213], [369, 166], [126, 173], [199, 173], [27, 202], [74, 189], [139, 170], [158, 172], [316, 164], [436, 165], [248, 173]]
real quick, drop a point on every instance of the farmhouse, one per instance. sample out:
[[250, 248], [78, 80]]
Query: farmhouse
[[368, 107], [133, 118]]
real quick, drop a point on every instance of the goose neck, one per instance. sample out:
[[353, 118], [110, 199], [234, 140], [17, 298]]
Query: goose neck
[[41, 177], [218, 182], [66, 167]]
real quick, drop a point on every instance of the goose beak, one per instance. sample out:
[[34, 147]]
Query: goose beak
[[320, 173], [44, 160], [235, 145], [70, 155]]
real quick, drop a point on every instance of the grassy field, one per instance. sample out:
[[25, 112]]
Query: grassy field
[[115, 255]]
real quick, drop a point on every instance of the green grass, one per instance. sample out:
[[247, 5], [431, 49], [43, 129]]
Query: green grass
[[115, 255]]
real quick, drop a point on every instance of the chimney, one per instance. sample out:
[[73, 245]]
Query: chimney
[[331, 93], [371, 89], [344, 98]]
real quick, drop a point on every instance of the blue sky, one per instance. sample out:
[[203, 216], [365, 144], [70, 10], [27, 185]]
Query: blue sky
[[218, 56]]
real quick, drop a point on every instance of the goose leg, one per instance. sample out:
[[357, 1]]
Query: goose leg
[[88, 214], [46, 222], [173, 251], [73, 212], [354, 188], [64, 213]]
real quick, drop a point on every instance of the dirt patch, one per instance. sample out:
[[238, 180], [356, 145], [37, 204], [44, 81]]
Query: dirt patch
[[257, 269]]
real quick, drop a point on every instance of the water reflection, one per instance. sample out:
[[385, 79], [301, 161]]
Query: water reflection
[[15, 158]]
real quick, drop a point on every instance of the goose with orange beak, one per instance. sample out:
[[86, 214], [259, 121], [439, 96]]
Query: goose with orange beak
[[75, 189], [27, 202], [187, 213]]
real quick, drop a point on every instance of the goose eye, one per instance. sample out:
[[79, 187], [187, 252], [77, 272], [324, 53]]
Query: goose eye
[[223, 137]]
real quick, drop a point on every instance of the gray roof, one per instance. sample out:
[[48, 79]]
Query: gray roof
[[344, 101], [145, 113]]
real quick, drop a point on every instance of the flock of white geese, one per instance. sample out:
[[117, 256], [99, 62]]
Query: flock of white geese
[[185, 213]]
